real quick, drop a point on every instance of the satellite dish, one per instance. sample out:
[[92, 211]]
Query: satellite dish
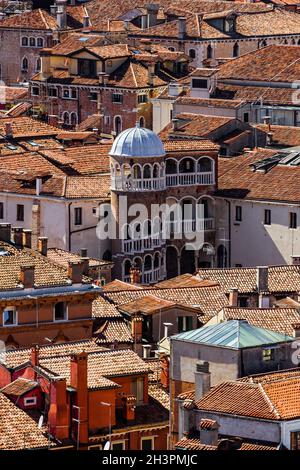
[[106, 446], [41, 420]]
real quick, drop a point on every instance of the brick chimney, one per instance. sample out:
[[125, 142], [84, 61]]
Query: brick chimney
[[58, 415], [135, 275], [181, 27], [233, 297], [8, 130], [75, 271], [34, 355], [27, 276], [209, 432], [17, 236], [137, 328], [5, 232], [202, 379], [152, 13], [129, 406], [151, 73], [43, 245], [165, 371], [26, 240], [295, 258], [79, 381], [262, 279]]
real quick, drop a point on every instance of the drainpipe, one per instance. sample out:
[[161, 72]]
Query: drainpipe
[[69, 228]]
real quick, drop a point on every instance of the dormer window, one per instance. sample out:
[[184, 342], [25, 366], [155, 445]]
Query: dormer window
[[87, 68], [229, 25], [199, 83], [60, 311]]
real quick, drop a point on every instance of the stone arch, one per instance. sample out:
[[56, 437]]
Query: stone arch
[[172, 261]]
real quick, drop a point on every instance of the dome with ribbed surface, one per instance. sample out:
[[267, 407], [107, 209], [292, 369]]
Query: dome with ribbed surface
[[137, 142]]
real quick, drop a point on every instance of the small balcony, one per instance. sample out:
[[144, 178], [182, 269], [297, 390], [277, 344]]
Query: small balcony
[[184, 179], [190, 226], [140, 245], [190, 171]]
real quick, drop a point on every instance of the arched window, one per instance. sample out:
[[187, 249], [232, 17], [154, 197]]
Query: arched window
[[38, 65], [209, 52], [107, 255], [147, 171], [148, 263], [24, 41], [66, 118], [236, 50], [186, 165], [40, 42], [127, 267], [142, 121], [204, 165], [32, 42], [73, 119], [24, 63], [171, 167], [222, 256], [118, 124], [192, 53]]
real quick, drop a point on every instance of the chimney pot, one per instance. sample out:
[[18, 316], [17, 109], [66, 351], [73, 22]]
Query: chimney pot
[[209, 432], [262, 279], [17, 236], [8, 129], [83, 252], [181, 27], [146, 351], [34, 357]]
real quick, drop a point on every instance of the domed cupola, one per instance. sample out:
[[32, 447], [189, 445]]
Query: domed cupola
[[137, 161], [137, 142]]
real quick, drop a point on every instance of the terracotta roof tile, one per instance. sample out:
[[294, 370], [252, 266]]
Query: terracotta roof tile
[[113, 330], [19, 387], [280, 278], [274, 319], [18, 430], [27, 127], [273, 63], [35, 19], [237, 180], [194, 125], [63, 257], [194, 444]]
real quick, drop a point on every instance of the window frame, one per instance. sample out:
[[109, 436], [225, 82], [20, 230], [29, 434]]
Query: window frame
[[15, 314], [293, 225], [123, 442], [1, 210], [78, 210], [66, 312], [148, 438], [238, 213], [268, 354], [267, 217], [115, 101], [20, 218], [34, 401]]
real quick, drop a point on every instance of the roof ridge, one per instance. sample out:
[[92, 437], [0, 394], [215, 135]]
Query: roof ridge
[[269, 401]]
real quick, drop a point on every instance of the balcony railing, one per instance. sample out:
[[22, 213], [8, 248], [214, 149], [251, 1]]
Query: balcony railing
[[141, 244], [120, 183], [190, 226], [183, 179]]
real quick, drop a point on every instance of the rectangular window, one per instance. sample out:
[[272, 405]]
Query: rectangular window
[[293, 220], [246, 117], [142, 99], [199, 83], [20, 213], [267, 218], [52, 92], [238, 213], [118, 445], [87, 68], [1, 210], [9, 316], [185, 323], [60, 311], [117, 98], [93, 96], [295, 440], [30, 401], [147, 443], [78, 216], [268, 354], [35, 91]]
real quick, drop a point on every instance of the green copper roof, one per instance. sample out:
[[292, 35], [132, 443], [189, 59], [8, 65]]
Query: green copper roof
[[236, 334]]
